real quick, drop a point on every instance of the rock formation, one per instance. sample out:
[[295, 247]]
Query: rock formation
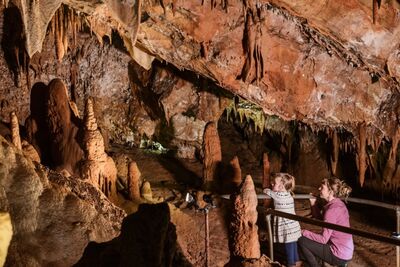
[[28, 150], [266, 183], [145, 191], [60, 215], [244, 242], [35, 125], [237, 172], [97, 167], [16, 139], [6, 230], [63, 128], [145, 240], [212, 153], [133, 181]]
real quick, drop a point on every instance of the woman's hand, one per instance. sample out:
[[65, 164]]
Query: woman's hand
[[313, 199]]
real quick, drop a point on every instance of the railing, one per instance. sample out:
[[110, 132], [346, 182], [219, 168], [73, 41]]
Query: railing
[[385, 239]]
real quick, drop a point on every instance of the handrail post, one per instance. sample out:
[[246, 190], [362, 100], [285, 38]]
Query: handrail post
[[270, 241], [207, 240], [397, 231]]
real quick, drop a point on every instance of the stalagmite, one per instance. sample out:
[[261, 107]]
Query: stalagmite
[[266, 183], [133, 181], [362, 153], [146, 192], [16, 139], [212, 153], [243, 228], [237, 172], [335, 152], [98, 167]]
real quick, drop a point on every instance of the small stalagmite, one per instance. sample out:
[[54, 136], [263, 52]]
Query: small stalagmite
[[146, 192], [266, 182], [212, 153], [16, 139], [244, 241], [98, 167], [237, 171], [133, 181], [28, 150]]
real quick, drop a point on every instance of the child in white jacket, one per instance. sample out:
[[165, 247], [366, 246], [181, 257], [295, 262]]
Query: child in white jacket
[[285, 230]]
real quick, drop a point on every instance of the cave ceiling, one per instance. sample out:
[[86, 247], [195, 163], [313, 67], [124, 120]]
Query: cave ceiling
[[324, 63]]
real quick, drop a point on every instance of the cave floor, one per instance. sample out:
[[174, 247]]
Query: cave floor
[[171, 179]]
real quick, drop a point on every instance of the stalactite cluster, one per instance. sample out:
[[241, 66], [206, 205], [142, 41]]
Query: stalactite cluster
[[64, 21], [253, 69]]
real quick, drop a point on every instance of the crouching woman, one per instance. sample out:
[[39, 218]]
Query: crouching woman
[[333, 247]]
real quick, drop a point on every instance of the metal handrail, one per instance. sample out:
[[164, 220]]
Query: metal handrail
[[349, 230]]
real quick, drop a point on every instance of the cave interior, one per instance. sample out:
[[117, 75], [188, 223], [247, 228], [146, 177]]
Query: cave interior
[[113, 112]]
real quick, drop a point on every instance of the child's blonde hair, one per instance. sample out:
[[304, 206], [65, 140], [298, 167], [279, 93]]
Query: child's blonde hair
[[287, 180], [338, 187]]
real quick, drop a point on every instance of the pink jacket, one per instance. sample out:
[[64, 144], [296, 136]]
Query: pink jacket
[[341, 244]]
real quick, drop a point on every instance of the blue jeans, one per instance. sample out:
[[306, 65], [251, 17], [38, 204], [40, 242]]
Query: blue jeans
[[291, 253]]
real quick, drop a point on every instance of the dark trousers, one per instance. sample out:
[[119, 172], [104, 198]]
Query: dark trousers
[[310, 250], [291, 253]]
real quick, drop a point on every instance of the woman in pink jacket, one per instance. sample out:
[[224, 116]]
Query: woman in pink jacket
[[331, 246]]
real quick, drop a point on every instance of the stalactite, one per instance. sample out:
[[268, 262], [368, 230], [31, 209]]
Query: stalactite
[[390, 167], [335, 152], [362, 153], [16, 139], [58, 37], [252, 44], [376, 4]]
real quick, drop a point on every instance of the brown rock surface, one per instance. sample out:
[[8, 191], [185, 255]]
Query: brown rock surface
[[53, 217]]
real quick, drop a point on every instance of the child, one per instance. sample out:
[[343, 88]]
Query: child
[[285, 230]]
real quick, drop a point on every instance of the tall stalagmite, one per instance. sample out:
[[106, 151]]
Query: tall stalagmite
[[98, 167], [244, 237], [212, 153]]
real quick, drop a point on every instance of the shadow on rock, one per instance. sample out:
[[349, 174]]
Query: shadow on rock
[[147, 239]]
